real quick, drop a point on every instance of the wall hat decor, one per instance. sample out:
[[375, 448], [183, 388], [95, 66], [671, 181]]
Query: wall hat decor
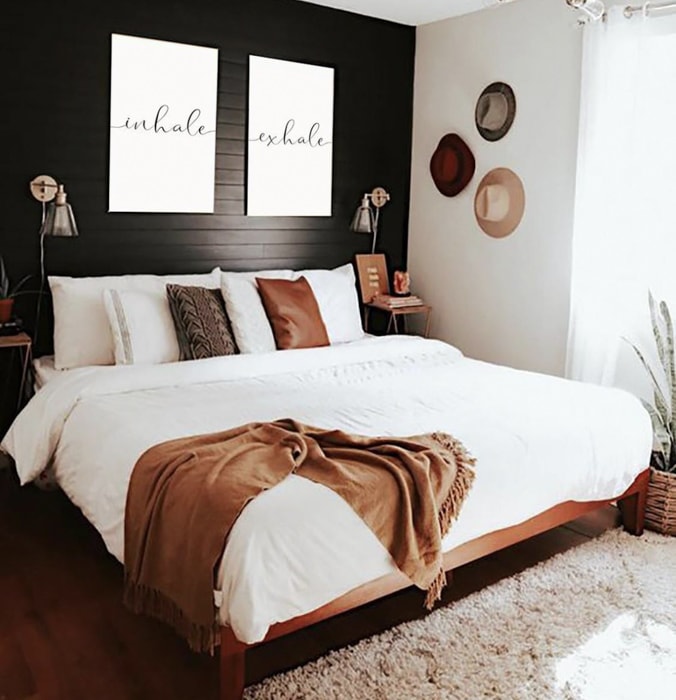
[[499, 202], [495, 111], [452, 165]]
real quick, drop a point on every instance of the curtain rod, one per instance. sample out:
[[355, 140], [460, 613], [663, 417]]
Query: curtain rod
[[648, 7]]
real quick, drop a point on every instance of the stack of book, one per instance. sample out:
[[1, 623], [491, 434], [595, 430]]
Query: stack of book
[[392, 302]]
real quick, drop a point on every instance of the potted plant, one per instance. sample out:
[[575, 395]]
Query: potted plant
[[661, 499], [8, 293]]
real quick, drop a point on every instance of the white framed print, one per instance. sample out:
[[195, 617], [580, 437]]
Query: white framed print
[[163, 100], [290, 138]]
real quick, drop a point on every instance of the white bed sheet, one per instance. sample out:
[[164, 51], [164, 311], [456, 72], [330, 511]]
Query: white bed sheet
[[44, 371], [538, 440]]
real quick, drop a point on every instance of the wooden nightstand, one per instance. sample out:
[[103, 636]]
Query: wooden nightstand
[[21, 343], [395, 313]]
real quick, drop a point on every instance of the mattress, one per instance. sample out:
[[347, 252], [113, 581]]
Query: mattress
[[538, 440]]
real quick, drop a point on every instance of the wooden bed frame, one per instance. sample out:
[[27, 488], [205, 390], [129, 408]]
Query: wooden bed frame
[[233, 652]]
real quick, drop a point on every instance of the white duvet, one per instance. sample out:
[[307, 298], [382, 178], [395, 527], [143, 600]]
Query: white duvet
[[538, 441]]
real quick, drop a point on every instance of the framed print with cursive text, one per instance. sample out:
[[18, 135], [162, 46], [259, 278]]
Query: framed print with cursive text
[[290, 135], [163, 99]]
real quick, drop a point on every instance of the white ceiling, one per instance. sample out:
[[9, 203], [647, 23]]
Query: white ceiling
[[413, 12]]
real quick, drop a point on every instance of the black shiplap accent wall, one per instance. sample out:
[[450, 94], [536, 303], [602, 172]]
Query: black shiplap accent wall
[[55, 120]]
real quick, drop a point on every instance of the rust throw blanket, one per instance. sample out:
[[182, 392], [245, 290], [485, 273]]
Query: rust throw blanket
[[185, 495]]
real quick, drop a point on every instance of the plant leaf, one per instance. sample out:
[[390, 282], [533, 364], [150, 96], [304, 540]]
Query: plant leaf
[[660, 432], [648, 368], [4, 280], [656, 321], [669, 368], [18, 285]]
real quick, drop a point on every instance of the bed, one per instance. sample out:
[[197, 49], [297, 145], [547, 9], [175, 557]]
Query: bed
[[94, 422], [547, 450]]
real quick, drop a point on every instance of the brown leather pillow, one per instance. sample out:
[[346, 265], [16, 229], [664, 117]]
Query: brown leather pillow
[[293, 313]]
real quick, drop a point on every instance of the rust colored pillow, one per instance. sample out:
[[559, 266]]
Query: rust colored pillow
[[293, 313]]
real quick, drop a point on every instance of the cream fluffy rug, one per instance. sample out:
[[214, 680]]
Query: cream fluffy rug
[[595, 623]]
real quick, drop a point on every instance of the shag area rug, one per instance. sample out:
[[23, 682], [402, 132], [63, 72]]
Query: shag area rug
[[597, 622]]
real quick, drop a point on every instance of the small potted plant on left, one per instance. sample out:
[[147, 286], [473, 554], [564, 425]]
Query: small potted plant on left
[[8, 292]]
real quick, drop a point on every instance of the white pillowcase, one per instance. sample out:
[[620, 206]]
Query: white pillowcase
[[82, 333], [142, 327], [336, 296], [248, 319], [334, 290]]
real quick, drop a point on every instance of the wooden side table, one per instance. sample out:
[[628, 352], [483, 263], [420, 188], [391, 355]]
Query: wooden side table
[[21, 343], [395, 313]]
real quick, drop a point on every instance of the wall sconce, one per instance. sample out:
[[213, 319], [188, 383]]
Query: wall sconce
[[364, 220], [57, 220]]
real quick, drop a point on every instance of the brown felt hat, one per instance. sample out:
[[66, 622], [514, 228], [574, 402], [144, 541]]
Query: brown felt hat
[[452, 165], [499, 202]]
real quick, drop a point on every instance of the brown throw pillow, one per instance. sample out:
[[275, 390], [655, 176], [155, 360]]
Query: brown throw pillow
[[293, 313], [201, 322]]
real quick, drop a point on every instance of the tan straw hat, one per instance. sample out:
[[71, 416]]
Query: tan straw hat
[[499, 202]]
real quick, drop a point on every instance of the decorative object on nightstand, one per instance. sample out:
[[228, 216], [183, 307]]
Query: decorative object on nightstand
[[58, 220], [401, 282], [364, 220], [21, 343], [372, 276]]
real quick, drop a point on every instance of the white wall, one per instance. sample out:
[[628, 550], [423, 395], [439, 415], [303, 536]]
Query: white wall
[[502, 300]]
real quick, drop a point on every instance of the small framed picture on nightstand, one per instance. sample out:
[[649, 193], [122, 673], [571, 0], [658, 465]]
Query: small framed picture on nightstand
[[372, 273]]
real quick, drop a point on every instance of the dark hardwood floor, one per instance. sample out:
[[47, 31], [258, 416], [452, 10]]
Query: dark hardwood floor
[[65, 635]]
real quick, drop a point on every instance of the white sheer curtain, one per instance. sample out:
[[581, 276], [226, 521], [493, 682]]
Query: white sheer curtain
[[625, 215]]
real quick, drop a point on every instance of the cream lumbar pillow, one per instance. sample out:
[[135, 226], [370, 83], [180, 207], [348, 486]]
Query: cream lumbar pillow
[[82, 333], [142, 327]]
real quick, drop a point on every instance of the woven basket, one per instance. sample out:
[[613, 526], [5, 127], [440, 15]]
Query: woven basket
[[660, 511]]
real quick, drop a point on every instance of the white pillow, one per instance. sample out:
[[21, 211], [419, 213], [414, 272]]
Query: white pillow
[[142, 327], [334, 290], [82, 334], [336, 296], [248, 319]]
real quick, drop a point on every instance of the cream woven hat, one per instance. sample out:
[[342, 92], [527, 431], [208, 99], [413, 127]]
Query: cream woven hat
[[499, 202]]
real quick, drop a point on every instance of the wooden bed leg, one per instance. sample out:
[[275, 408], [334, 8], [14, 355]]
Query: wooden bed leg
[[632, 507], [232, 666]]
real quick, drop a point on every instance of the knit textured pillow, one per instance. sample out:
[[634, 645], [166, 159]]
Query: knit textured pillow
[[202, 325]]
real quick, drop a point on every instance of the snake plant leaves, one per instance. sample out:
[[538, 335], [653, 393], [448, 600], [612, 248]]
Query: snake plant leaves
[[661, 400], [662, 435], [6, 290], [661, 411]]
